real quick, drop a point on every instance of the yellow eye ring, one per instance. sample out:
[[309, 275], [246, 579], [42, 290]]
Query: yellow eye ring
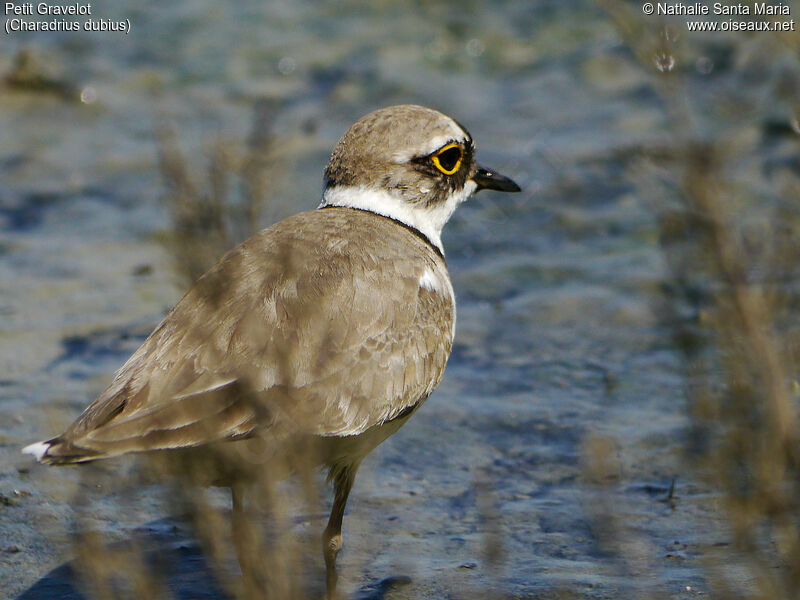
[[447, 161]]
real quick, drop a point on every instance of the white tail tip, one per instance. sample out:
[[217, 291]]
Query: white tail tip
[[38, 450]]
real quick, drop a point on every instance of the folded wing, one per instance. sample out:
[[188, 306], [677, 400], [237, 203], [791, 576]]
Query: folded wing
[[305, 328]]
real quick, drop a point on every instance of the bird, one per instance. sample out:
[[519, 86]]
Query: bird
[[325, 331]]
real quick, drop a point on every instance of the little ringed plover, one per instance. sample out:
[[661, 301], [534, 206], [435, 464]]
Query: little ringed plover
[[333, 325]]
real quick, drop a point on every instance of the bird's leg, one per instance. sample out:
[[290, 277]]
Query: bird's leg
[[244, 544], [332, 537]]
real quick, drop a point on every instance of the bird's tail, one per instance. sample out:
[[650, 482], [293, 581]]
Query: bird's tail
[[60, 452]]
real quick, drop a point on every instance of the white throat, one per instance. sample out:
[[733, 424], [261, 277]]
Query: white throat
[[429, 221]]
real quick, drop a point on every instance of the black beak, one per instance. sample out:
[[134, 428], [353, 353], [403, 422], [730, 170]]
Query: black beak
[[489, 180]]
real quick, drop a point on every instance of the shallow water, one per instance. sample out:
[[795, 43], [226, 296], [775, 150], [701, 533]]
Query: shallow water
[[557, 343]]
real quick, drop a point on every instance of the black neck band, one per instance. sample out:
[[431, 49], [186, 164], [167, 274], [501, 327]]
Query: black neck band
[[406, 226]]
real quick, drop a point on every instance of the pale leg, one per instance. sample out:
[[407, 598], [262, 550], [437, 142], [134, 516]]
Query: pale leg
[[332, 537]]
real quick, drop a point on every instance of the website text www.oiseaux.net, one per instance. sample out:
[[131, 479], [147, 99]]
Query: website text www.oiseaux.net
[[731, 25]]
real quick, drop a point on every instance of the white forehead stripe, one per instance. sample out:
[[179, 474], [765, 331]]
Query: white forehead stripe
[[457, 135]]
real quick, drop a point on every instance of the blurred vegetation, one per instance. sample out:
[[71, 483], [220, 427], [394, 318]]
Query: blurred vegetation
[[28, 73], [726, 210], [727, 202], [214, 212]]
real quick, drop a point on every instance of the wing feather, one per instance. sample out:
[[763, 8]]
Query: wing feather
[[307, 326]]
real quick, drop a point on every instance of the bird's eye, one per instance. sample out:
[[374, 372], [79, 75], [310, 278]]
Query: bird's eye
[[448, 158]]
